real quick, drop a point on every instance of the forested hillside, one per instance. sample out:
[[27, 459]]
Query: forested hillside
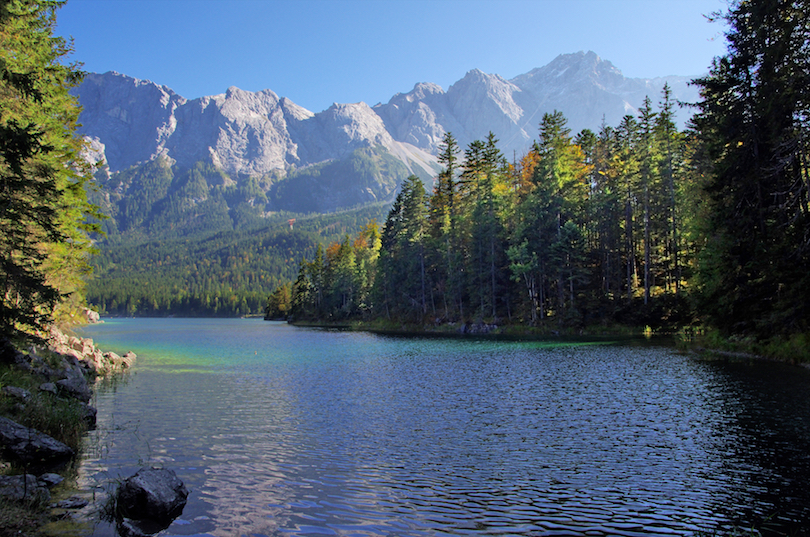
[[223, 273], [586, 229]]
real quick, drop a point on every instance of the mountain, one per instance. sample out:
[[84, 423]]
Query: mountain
[[584, 87], [234, 159]]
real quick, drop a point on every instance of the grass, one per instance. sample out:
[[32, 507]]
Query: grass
[[20, 518], [793, 349], [60, 418]]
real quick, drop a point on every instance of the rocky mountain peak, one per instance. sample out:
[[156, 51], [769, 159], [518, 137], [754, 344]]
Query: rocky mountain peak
[[243, 133]]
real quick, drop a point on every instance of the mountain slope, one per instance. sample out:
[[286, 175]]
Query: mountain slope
[[583, 86], [233, 159]]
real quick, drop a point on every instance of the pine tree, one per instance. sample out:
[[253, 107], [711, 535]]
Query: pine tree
[[753, 123], [43, 205]]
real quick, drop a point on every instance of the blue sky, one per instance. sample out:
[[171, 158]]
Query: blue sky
[[316, 52]]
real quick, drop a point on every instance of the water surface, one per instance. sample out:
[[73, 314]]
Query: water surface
[[279, 430]]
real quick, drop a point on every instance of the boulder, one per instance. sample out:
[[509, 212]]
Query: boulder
[[20, 394], [89, 414], [49, 387], [91, 316], [152, 494], [23, 488], [49, 480], [128, 359], [29, 446], [74, 502], [75, 385]]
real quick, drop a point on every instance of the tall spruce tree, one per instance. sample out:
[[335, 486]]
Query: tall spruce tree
[[43, 206], [753, 123]]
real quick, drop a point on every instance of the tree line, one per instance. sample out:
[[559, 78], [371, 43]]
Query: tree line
[[639, 223], [582, 229], [222, 274]]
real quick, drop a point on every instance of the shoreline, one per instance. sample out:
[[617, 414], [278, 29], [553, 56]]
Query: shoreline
[[48, 391]]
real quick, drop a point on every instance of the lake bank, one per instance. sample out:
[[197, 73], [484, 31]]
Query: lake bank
[[46, 410], [794, 350]]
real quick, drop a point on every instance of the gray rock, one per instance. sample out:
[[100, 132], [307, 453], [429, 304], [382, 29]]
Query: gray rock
[[23, 488], [75, 385], [49, 387], [29, 446], [74, 502], [49, 480], [155, 494], [18, 393], [89, 414]]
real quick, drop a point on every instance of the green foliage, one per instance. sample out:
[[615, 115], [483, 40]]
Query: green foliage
[[279, 303], [553, 243], [752, 128], [227, 273], [43, 206]]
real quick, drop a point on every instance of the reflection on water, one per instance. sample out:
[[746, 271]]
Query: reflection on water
[[285, 431]]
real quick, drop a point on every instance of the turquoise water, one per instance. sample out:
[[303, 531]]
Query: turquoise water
[[279, 430]]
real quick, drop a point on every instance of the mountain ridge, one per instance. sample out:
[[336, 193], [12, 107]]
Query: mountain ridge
[[255, 153]]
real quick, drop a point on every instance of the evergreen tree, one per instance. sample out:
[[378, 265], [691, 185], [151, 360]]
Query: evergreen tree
[[43, 205], [402, 276], [753, 122]]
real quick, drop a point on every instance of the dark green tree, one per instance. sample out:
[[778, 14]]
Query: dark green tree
[[402, 277], [43, 205], [753, 124]]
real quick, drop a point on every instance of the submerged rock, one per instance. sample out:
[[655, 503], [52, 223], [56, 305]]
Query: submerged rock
[[152, 494], [74, 502]]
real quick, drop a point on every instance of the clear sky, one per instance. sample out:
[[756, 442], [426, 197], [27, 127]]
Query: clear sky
[[316, 52]]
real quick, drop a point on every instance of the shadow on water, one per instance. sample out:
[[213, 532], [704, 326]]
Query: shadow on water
[[766, 429]]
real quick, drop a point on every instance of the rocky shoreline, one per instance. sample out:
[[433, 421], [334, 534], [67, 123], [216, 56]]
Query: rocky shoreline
[[67, 369]]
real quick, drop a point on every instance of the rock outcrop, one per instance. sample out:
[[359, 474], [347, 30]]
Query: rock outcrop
[[148, 501], [82, 352], [24, 488], [252, 142], [31, 447], [583, 86], [243, 133]]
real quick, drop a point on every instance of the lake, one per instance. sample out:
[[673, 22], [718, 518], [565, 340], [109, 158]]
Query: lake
[[278, 430]]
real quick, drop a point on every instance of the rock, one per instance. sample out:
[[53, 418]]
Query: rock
[[30, 446], [49, 387], [128, 359], [91, 316], [154, 494], [17, 393], [128, 527], [75, 385], [49, 480], [74, 502], [19, 488], [89, 414]]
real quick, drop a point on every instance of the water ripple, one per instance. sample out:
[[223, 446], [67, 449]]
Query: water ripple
[[331, 433]]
